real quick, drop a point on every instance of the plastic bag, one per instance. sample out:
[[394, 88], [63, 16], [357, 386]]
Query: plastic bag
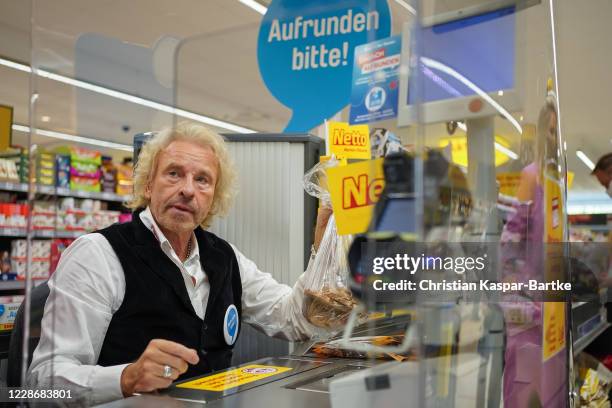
[[327, 300], [315, 181]]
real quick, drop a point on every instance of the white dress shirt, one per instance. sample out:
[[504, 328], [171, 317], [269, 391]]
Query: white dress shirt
[[88, 288]]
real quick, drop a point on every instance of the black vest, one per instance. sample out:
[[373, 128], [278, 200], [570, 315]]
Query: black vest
[[156, 304]]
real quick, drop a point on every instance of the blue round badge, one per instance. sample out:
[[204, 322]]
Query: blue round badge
[[230, 325]]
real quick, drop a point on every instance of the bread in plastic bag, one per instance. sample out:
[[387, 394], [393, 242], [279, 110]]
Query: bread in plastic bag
[[327, 300]]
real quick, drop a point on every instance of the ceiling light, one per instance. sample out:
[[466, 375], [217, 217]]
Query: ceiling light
[[129, 98], [585, 159], [45, 118], [500, 93], [407, 6], [75, 138], [258, 7], [521, 118]]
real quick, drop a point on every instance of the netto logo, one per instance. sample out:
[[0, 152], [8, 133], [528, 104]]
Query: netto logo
[[348, 138], [360, 191]]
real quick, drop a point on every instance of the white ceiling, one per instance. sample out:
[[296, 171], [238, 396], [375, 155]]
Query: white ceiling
[[217, 72]]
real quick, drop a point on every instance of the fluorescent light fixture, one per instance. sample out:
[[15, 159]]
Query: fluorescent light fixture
[[128, 98], [15, 65], [498, 147], [258, 7], [405, 5], [74, 138], [449, 71], [585, 159]]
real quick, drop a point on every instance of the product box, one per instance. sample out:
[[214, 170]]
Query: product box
[[125, 184], [8, 312], [45, 168], [62, 170], [84, 184]]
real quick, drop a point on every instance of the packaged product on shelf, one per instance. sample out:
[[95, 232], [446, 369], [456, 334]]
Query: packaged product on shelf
[[327, 300], [41, 249], [41, 255], [125, 217], [62, 170], [5, 262], [24, 166], [84, 169], [103, 219], [45, 168], [8, 312], [89, 205], [43, 215], [109, 175], [67, 203], [125, 171], [84, 184], [8, 170], [19, 249], [13, 215]]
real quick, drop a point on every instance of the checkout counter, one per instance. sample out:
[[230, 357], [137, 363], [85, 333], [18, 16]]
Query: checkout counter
[[304, 379]]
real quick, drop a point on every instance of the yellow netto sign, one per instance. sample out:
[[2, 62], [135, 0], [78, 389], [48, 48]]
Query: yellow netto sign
[[354, 190], [349, 142]]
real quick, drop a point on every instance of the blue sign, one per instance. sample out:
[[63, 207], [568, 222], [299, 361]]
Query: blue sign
[[305, 53], [230, 325], [376, 81]]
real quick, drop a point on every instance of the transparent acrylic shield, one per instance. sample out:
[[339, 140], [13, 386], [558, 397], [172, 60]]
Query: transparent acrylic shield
[[98, 79], [479, 123]]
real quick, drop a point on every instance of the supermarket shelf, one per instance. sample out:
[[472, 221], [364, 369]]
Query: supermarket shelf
[[22, 233], [12, 285], [64, 192], [592, 227], [581, 343], [17, 285]]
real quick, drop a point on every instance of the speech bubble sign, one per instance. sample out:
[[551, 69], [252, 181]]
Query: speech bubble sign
[[305, 53]]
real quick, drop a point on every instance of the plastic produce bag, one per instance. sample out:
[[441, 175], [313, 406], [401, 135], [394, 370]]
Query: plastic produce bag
[[327, 300]]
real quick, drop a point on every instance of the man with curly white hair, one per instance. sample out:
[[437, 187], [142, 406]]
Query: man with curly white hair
[[138, 305]]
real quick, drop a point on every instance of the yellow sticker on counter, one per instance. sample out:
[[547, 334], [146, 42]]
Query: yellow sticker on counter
[[354, 190], [349, 142], [234, 378]]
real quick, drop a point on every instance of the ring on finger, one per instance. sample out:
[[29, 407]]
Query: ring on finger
[[167, 371]]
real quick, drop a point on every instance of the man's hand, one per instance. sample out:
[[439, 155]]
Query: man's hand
[[147, 373], [322, 219]]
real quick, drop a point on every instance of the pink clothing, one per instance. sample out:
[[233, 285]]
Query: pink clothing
[[526, 377]]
